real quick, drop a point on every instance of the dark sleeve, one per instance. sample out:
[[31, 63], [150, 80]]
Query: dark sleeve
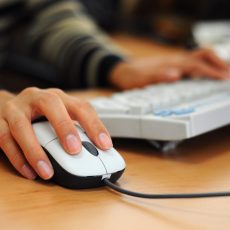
[[62, 35], [8, 17]]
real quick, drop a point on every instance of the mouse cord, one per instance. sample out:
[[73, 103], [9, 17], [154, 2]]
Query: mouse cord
[[164, 196]]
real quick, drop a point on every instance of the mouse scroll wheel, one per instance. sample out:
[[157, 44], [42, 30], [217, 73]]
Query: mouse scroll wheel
[[90, 148]]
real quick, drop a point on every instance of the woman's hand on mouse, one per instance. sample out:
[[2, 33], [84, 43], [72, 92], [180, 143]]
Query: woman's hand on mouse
[[145, 71], [17, 138]]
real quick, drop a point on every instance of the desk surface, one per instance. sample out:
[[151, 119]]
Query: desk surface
[[198, 165]]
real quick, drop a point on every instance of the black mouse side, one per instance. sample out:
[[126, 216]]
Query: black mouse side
[[68, 180]]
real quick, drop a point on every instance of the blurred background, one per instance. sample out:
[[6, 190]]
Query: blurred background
[[190, 23], [167, 21]]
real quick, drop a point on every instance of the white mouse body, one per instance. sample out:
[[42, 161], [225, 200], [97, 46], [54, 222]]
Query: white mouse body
[[86, 169]]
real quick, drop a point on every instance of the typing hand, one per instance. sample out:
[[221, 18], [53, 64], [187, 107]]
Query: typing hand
[[18, 140], [145, 71]]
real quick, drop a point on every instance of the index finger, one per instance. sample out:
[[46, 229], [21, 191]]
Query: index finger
[[86, 115], [210, 56], [53, 108]]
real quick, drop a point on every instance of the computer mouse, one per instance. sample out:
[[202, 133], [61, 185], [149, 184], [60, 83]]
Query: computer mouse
[[86, 169]]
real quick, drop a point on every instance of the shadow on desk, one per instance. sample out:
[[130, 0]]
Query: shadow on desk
[[193, 150]]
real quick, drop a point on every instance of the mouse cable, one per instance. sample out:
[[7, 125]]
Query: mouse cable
[[164, 196]]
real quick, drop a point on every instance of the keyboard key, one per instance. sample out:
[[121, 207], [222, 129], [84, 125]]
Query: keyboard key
[[163, 112], [169, 111], [106, 106], [183, 111]]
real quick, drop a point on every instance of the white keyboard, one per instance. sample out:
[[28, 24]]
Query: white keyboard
[[167, 112]]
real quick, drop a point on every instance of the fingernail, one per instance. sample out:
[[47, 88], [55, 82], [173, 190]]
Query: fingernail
[[28, 173], [73, 144], [105, 141], [45, 171]]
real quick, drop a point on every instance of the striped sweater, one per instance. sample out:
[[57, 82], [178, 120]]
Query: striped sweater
[[55, 40]]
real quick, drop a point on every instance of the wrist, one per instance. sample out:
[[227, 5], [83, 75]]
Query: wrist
[[119, 76]]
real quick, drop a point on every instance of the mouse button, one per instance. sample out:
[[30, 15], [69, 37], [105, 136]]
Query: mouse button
[[44, 132], [83, 137], [90, 147], [112, 160], [82, 164]]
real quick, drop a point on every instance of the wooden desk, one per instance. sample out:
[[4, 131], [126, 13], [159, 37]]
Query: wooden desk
[[197, 165]]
